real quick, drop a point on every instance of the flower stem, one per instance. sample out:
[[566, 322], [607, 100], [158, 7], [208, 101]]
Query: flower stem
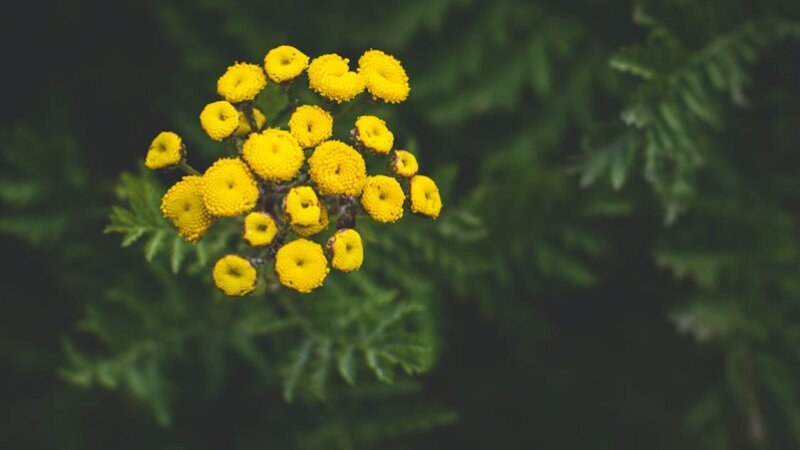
[[183, 165], [287, 88]]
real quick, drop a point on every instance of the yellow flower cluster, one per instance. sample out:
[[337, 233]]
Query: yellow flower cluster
[[291, 181]]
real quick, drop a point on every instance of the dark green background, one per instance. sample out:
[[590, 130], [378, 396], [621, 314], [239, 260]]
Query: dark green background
[[579, 330]]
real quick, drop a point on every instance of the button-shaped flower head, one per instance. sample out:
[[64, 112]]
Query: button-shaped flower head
[[260, 229], [273, 154], [425, 197], [337, 169], [166, 150], [242, 81], [183, 205], [302, 206], [404, 164], [311, 125], [346, 249], [317, 227], [383, 198], [219, 119], [234, 275], [384, 76], [285, 63], [374, 134], [301, 265], [229, 189], [330, 76]]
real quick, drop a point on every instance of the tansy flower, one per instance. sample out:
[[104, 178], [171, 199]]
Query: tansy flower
[[234, 275], [310, 125], [383, 198], [259, 229], [337, 169], [315, 228], [404, 164], [229, 189], [330, 76], [219, 119], [183, 206], [373, 133], [302, 206], [242, 81], [301, 265], [285, 63], [244, 124], [425, 197], [384, 76], [166, 150], [347, 250], [273, 154]]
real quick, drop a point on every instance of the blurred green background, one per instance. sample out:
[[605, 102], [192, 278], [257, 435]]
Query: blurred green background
[[617, 264]]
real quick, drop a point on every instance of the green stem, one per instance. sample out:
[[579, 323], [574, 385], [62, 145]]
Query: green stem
[[250, 115], [287, 88], [183, 165]]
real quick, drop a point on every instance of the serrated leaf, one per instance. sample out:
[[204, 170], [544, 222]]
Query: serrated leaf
[[322, 364], [153, 246], [296, 369], [376, 361], [618, 168], [346, 363], [178, 253], [132, 236]]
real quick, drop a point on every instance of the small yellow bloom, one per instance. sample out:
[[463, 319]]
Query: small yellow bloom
[[273, 154], [374, 134], [166, 150], [330, 76], [384, 76], [244, 124], [302, 206], [347, 250], [311, 125], [404, 164], [285, 63], [337, 169], [183, 206], [234, 275], [301, 265], [317, 227], [229, 189], [383, 198], [219, 119], [259, 229], [425, 197], [242, 81]]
